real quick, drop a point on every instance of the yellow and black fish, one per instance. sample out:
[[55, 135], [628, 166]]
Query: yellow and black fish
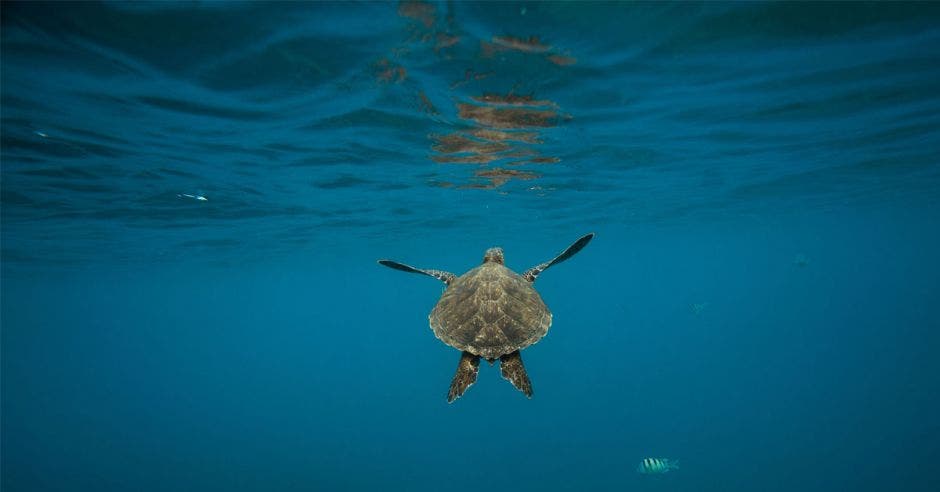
[[657, 466]]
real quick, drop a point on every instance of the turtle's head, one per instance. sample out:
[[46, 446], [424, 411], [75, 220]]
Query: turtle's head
[[494, 255]]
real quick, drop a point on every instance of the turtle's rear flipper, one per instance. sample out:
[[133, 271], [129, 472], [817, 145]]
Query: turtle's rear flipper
[[466, 375], [513, 370]]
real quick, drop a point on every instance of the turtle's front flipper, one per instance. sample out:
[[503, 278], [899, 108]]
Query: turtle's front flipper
[[466, 375], [532, 273], [513, 370], [445, 277]]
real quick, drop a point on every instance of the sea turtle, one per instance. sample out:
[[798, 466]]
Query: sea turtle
[[490, 312]]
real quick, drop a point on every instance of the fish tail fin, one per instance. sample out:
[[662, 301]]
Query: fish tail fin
[[674, 464]]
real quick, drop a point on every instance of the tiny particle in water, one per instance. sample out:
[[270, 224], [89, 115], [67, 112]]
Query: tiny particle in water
[[194, 197], [41, 134]]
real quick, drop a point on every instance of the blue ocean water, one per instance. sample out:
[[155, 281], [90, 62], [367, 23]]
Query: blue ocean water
[[194, 197]]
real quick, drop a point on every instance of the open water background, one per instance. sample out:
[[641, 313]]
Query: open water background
[[760, 301]]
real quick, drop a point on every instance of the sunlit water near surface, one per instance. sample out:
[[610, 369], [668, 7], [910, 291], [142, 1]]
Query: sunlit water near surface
[[194, 197]]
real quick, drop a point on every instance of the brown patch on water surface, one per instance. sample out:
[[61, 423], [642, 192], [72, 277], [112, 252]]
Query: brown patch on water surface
[[495, 129], [496, 137], [456, 143], [445, 40], [426, 105], [562, 60], [512, 100], [465, 159], [476, 186], [531, 45], [529, 156], [420, 11], [429, 30], [536, 161], [498, 177], [388, 72], [521, 152], [487, 49], [468, 76], [502, 136], [498, 117], [539, 160], [498, 173]]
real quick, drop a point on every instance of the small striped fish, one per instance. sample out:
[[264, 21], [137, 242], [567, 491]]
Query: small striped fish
[[657, 466]]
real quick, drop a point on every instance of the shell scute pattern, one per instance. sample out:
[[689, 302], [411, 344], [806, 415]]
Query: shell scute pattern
[[490, 311]]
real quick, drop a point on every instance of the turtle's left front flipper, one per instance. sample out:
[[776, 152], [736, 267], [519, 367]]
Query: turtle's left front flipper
[[513, 370], [533, 273], [445, 277]]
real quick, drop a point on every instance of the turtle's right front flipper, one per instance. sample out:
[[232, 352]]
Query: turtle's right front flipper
[[466, 375], [533, 273], [445, 277]]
